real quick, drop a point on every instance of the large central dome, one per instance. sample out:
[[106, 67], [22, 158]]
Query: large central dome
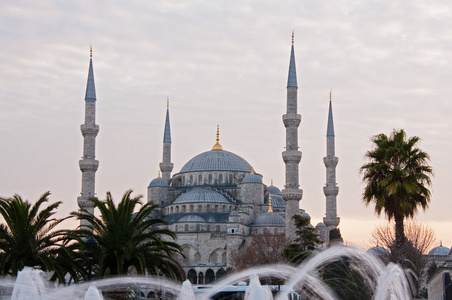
[[216, 160]]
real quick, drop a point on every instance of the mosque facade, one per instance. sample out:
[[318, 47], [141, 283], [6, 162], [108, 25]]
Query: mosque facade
[[217, 201]]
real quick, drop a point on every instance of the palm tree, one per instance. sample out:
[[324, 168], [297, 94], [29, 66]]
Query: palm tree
[[397, 177], [127, 239], [27, 239]]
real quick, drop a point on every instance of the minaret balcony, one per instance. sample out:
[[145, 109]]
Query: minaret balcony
[[290, 194], [330, 162], [84, 203], [166, 167], [87, 164], [89, 129], [331, 190], [331, 222], [291, 156], [291, 120]]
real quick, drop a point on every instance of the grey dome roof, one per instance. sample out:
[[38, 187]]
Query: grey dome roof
[[252, 178], [216, 160], [377, 250], [305, 215], [440, 250], [201, 195], [277, 200], [320, 224], [269, 219], [192, 218], [274, 190], [159, 182]]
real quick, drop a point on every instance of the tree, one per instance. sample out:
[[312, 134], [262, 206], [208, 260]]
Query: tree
[[419, 240], [27, 237], [127, 239], [397, 177], [264, 249], [305, 243]]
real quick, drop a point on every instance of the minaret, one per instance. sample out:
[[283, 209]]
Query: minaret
[[291, 193], [88, 163], [331, 189], [166, 166]]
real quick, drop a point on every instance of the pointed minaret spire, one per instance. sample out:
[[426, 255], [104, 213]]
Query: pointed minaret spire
[[292, 79], [292, 193], [88, 164], [331, 190], [166, 166]]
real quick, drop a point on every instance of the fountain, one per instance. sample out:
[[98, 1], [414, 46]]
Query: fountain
[[384, 282]]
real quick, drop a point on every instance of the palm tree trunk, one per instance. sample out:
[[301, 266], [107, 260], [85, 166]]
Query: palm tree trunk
[[400, 239]]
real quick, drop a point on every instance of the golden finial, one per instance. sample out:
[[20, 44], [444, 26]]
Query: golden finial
[[167, 102], [293, 31], [158, 176], [217, 146], [330, 93], [90, 51], [252, 170], [271, 184], [270, 210]]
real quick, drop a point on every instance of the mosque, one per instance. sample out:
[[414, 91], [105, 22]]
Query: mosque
[[218, 201]]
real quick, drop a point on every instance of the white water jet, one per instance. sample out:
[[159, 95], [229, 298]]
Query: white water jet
[[30, 284], [256, 291], [93, 294], [384, 282], [186, 291]]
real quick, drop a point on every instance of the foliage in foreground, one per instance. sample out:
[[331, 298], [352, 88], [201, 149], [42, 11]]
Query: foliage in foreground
[[306, 241], [27, 238], [129, 240], [397, 177]]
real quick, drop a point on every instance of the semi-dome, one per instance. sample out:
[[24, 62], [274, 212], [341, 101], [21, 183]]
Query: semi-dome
[[252, 178], [201, 195], [269, 219], [274, 190], [159, 182], [191, 218], [277, 200], [440, 250], [305, 215], [216, 160]]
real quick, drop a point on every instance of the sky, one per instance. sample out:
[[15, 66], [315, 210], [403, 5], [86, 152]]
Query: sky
[[388, 64]]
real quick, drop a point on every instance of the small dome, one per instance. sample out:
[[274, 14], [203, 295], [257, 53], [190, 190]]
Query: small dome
[[440, 250], [216, 160], [191, 218], [277, 201], [274, 190], [252, 178], [379, 251], [159, 182], [305, 215], [320, 224], [269, 219], [201, 195]]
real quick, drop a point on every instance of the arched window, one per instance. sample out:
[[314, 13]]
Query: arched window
[[183, 180], [200, 179], [191, 275], [210, 277], [208, 208], [230, 208], [215, 209], [171, 210], [224, 209], [177, 209], [199, 208], [176, 229], [197, 257], [221, 273], [220, 178], [218, 228], [208, 227], [184, 208], [186, 227], [191, 180], [200, 278], [198, 227], [230, 179], [210, 179], [213, 257], [191, 208]]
